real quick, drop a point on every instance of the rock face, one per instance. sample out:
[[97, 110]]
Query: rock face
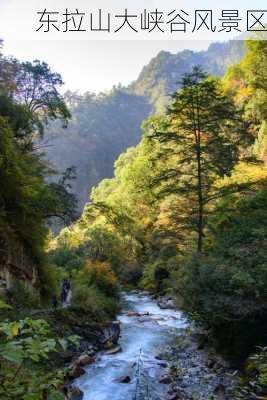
[[16, 263], [166, 302], [111, 333], [72, 393]]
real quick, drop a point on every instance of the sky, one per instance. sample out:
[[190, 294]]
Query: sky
[[96, 65], [92, 65]]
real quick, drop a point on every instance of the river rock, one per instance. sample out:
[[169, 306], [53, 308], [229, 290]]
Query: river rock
[[114, 350], [166, 380], [108, 345], [76, 371], [137, 314], [143, 320], [111, 333], [177, 393], [87, 348], [211, 363], [175, 396], [220, 392], [166, 302], [74, 393], [162, 364], [123, 379], [84, 359], [133, 314], [160, 357]]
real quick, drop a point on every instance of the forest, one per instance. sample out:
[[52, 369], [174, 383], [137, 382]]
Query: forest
[[183, 217], [103, 126]]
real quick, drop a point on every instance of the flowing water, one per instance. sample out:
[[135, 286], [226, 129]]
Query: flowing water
[[142, 339]]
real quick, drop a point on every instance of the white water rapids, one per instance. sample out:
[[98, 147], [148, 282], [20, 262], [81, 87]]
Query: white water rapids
[[142, 339]]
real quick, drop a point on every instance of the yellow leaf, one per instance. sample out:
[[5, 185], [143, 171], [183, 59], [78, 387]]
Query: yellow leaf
[[15, 329]]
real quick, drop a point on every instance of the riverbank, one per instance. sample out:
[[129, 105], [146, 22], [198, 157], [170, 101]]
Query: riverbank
[[195, 373], [94, 336], [159, 358], [80, 334]]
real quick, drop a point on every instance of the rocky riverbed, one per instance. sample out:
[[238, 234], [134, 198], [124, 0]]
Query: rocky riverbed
[[195, 373], [158, 358]]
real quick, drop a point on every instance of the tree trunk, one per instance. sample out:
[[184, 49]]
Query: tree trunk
[[199, 177], [200, 202]]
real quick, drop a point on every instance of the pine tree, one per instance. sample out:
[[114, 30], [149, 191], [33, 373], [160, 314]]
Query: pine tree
[[201, 135]]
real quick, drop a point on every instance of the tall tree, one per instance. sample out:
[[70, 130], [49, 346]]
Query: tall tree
[[29, 98], [201, 135], [35, 88]]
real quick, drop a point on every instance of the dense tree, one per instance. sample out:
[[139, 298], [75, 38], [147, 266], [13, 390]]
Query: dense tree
[[105, 125], [225, 287], [203, 129], [27, 198], [194, 174], [36, 87]]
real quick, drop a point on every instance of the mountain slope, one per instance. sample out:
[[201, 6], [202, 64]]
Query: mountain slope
[[160, 77], [104, 125]]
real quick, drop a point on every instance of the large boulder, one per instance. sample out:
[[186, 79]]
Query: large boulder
[[76, 371], [84, 360], [75, 393], [123, 379], [111, 333], [72, 392], [166, 302], [166, 380]]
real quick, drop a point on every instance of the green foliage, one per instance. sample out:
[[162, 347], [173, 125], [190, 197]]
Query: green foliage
[[4, 306], [95, 289], [26, 346], [90, 255], [24, 297], [247, 81], [254, 381], [36, 86], [29, 98], [131, 274], [99, 274], [202, 132], [199, 177], [102, 126], [94, 302], [105, 125], [226, 288], [159, 78], [68, 258]]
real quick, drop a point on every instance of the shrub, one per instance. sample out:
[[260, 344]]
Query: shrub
[[25, 373], [22, 295], [131, 274], [95, 289], [94, 302], [155, 276], [226, 288]]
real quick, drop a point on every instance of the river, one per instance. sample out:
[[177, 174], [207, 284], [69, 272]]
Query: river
[[146, 331]]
